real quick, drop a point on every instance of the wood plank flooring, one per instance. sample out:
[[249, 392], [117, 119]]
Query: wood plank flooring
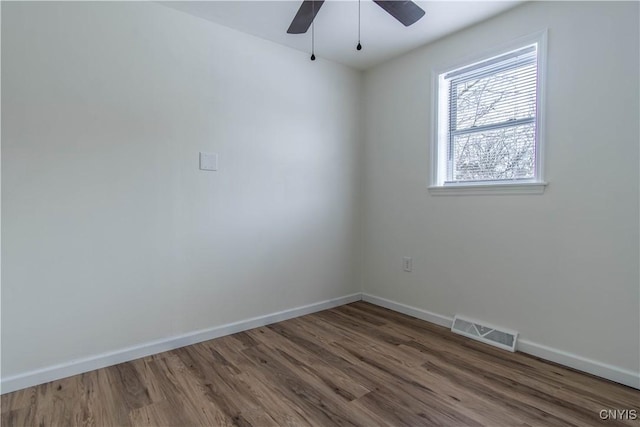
[[355, 365]]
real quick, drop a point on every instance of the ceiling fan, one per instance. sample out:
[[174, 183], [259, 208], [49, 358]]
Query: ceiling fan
[[407, 12]]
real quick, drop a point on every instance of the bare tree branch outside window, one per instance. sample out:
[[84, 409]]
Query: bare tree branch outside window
[[493, 124]]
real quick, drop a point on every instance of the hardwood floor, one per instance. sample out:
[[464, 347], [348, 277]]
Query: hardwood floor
[[353, 365]]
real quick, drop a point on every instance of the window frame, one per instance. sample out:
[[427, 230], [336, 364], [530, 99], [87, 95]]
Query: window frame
[[438, 149]]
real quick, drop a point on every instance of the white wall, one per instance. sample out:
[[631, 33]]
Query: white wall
[[562, 268], [112, 237]]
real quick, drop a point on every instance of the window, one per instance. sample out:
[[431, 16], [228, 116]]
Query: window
[[488, 124]]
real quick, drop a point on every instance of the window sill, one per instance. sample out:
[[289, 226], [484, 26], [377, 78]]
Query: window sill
[[487, 189]]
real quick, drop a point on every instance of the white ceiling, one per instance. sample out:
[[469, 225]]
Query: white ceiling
[[336, 25]]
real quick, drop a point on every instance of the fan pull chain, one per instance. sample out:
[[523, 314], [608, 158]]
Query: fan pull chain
[[359, 47], [313, 26]]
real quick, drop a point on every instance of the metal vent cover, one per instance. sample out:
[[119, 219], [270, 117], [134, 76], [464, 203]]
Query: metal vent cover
[[481, 331]]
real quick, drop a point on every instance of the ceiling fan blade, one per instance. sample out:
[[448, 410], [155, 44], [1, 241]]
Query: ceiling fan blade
[[407, 12], [305, 16]]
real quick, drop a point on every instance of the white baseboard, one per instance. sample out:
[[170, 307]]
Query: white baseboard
[[599, 369], [419, 313], [75, 367], [56, 372]]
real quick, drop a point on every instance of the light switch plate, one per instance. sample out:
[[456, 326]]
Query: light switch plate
[[208, 161]]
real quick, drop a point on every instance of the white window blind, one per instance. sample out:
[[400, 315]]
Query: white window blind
[[491, 117]]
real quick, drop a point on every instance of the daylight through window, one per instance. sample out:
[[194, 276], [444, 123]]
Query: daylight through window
[[487, 120]]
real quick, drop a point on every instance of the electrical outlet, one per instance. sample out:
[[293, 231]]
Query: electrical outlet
[[407, 263]]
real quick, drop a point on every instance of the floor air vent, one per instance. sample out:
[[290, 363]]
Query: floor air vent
[[480, 331]]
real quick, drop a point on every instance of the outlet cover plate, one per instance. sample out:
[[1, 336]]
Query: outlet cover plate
[[208, 161], [407, 263]]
